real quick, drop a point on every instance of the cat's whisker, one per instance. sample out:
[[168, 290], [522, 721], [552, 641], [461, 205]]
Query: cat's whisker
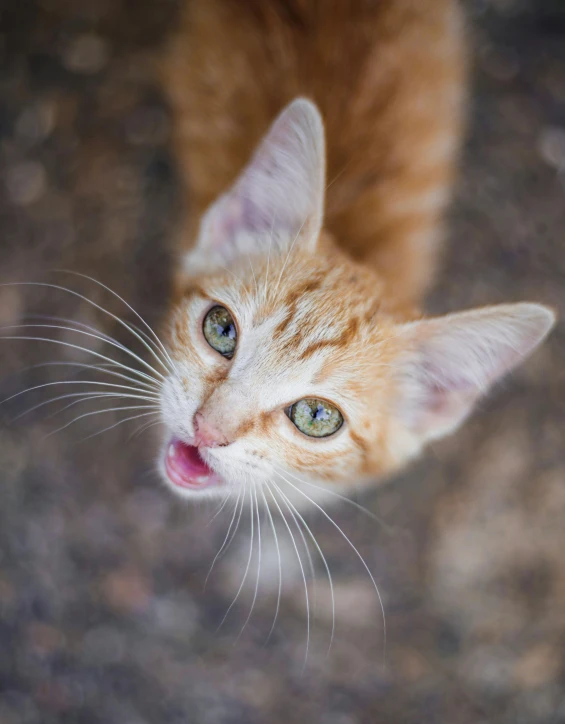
[[219, 510], [304, 541], [359, 556], [93, 304], [322, 556], [225, 541], [142, 428], [306, 597], [291, 247], [265, 285], [100, 412], [158, 341], [84, 397], [344, 498], [254, 277], [88, 327], [95, 383], [232, 604], [277, 547], [120, 422], [258, 576], [99, 368], [104, 338], [63, 343], [233, 533]]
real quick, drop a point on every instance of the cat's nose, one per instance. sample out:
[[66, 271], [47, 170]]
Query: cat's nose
[[206, 435]]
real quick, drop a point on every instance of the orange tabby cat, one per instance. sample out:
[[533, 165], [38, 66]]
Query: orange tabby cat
[[317, 141]]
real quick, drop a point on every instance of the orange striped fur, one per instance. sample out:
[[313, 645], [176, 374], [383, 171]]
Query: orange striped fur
[[326, 304]]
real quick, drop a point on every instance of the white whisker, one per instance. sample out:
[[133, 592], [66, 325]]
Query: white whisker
[[98, 368], [258, 576], [143, 375], [147, 326], [359, 556], [232, 604], [288, 257], [345, 499], [72, 382], [84, 396], [225, 542], [109, 341], [145, 426], [93, 304], [100, 412], [322, 556], [280, 566], [306, 598], [120, 422]]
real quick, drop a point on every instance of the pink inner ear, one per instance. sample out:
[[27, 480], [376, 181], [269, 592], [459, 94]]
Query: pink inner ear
[[281, 191], [458, 357], [225, 223]]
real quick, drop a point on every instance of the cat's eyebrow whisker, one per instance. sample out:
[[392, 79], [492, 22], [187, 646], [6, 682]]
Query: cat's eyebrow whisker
[[232, 604], [62, 342], [225, 542], [100, 412], [253, 272], [359, 556], [104, 338], [275, 537], [258, 576], [306, 597], [288, 257], [158, 342], [322, 556], [268, 259]]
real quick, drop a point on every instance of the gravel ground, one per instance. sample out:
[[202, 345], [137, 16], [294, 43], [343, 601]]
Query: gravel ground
[[103, 614]]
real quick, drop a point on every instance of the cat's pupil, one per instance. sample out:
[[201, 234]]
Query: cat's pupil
[[226, 331]]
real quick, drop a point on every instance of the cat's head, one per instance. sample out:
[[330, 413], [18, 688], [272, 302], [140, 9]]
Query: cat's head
[[291, 368]]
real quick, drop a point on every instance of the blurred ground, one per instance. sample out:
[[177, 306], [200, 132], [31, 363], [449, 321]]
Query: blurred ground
[[103, 617]]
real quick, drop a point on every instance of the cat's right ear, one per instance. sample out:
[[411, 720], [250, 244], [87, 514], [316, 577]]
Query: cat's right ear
[[278, 199]]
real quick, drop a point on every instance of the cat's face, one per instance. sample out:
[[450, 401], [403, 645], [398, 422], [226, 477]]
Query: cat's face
[[290, 367], [305, 389]]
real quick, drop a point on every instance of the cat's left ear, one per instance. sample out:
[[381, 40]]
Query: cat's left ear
[[277, 200], [449, 362]]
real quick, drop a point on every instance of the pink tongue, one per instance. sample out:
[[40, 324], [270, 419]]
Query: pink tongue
[[186, 468]]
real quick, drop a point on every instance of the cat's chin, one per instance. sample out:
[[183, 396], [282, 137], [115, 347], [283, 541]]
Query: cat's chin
[[186, 472]]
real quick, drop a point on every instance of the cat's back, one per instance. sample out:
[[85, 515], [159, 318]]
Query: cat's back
[[387, 77]]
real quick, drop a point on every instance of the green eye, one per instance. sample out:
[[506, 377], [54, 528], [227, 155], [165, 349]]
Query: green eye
[[220, 331], [316, 418]]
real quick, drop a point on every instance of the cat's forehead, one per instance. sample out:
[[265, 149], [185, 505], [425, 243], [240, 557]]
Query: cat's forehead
[[311, 326]]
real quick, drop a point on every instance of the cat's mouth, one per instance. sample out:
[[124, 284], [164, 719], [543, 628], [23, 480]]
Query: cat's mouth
[[186, 469]]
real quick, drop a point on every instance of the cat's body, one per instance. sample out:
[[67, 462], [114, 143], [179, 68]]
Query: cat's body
[[299, 354], [388, 78]]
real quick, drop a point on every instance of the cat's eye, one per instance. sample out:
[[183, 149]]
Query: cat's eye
[[316, 418], [220, 331]]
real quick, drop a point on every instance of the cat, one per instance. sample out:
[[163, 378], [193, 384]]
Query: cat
[[317, 142]]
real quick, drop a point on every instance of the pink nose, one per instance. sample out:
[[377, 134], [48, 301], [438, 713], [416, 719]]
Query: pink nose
[[206, 435]]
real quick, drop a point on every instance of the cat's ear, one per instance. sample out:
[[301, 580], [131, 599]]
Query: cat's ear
[[453, 360], [279, 197]]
